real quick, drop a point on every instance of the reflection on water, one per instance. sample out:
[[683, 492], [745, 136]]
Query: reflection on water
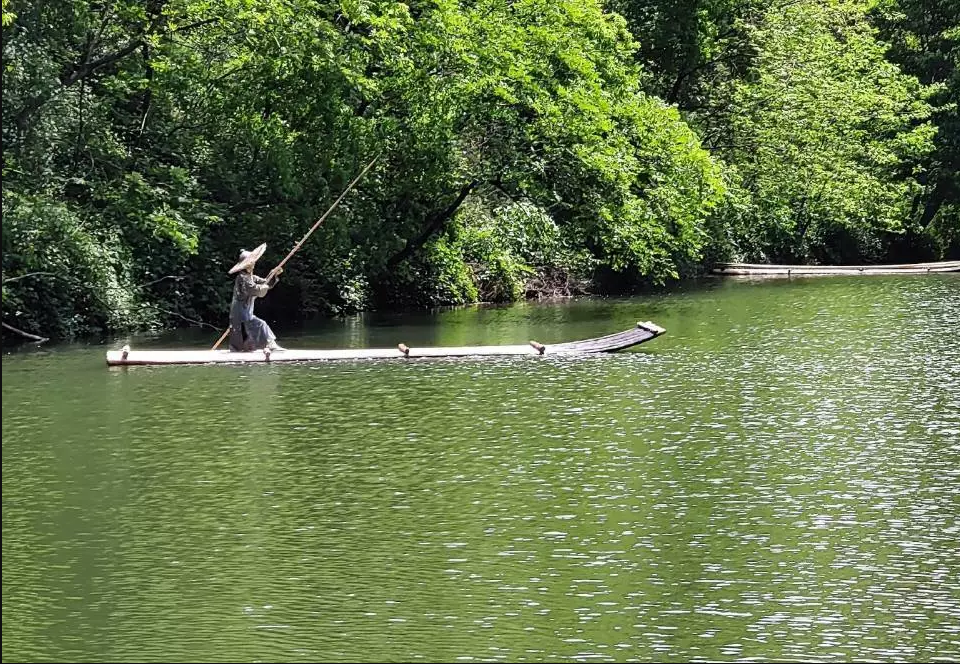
[[776, 478]]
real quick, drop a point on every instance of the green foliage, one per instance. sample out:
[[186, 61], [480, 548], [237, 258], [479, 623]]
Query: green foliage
[[944, 231], [694, 49], [821, 138], [8, 16], [826, 144], [89, 195], [437, 276], [525, 147], [925, 42], [513, 249], [61, 277]]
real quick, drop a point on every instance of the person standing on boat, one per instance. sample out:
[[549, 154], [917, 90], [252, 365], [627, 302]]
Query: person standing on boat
[[247, 332]]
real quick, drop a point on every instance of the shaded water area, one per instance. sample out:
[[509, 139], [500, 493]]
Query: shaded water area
[[776, 478]]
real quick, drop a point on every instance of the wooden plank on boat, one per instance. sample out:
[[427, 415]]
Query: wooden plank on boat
[[760, 269], [610, 343]]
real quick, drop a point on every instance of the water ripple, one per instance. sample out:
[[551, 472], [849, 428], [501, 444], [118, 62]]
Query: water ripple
[[775, 479]]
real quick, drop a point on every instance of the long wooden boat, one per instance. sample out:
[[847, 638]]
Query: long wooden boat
[[760, 269], [613, 342]]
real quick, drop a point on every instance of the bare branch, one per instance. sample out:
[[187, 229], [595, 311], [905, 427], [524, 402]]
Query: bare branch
[[88, 68], [27, 335], [181, 316], [164, 278], [28, 274], [191, 26]]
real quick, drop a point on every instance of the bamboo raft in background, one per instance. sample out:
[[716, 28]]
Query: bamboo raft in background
[[762, 270], [642, 332]]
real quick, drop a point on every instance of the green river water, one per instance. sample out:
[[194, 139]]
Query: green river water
[[776, 478]]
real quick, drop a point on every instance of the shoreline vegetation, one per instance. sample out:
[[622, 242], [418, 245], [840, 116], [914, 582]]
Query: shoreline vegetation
[[528, 149]]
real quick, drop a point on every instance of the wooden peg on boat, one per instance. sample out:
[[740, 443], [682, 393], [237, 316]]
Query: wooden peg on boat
[[539, 346], [403, 349], [125, 351]]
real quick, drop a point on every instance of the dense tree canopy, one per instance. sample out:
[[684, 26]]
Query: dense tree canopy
[[522, 148], [826, 142], [925, 39], [821, 136]]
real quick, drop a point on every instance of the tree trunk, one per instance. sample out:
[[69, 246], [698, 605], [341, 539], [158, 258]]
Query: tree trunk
[[434, 224], [932, 206]]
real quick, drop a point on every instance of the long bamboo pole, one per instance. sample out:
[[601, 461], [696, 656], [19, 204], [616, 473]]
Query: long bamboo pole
[[299, 244]]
